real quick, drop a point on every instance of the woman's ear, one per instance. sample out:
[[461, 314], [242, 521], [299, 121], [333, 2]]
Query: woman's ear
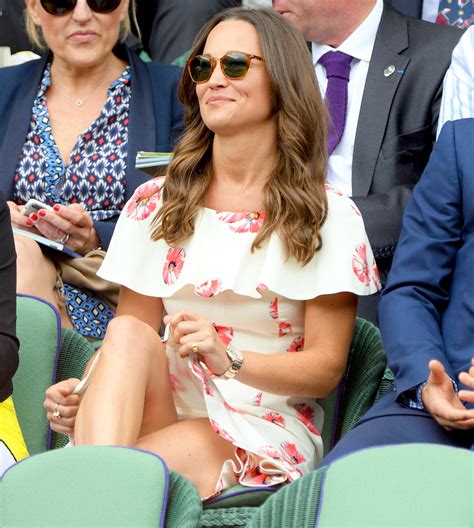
[[33, 7]]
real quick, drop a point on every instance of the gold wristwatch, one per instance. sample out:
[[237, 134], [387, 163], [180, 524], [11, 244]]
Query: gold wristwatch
[[236, 362]]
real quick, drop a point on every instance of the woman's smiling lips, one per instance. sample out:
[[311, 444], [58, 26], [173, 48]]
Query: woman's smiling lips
[[217, 99]]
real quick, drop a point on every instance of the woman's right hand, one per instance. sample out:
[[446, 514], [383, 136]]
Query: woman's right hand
[[60, 399], [20, 220]]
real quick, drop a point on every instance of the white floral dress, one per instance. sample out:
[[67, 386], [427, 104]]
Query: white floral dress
[[256, 301]]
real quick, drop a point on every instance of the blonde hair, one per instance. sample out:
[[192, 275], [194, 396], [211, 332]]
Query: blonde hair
[[37, 39], [294, 197]]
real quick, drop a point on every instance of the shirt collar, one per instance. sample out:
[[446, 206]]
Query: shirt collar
[[360, 43]]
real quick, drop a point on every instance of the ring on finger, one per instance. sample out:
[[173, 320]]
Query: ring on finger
[[63, 240], [195, 348], [56, 413]]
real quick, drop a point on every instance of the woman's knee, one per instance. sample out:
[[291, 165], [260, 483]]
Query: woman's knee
[[130, 338], [34, 269]]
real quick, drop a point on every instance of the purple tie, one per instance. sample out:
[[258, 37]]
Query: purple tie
[[338, 68]]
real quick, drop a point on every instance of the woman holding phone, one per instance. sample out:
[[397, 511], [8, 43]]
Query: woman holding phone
[[72, 123]]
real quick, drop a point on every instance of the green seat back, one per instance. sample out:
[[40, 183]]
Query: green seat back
[[407, 486], [38, 329], [410, 485], [94, 486], [360, 387]]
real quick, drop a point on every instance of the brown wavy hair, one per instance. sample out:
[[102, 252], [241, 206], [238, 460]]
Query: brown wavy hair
[[294, 197]]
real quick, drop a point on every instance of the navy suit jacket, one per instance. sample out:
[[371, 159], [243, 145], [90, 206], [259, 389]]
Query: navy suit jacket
[[427, 308], [155, 119]]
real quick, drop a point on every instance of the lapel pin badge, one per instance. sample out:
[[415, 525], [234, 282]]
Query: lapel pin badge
[[389, 70]]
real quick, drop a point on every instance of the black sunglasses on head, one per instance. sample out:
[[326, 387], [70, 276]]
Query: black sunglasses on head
[[63, 7]]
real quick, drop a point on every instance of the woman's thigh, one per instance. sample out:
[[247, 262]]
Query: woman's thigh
[[192, 448], [37, 275]]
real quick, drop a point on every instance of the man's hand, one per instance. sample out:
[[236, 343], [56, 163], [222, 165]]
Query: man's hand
[[467, 378], [442, 402]]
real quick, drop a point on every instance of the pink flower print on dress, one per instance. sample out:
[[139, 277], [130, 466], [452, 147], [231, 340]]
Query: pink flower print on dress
[[329, 187], [360, 264], [258, 399], [305, 413], [274, 308], [209, 288], [176, 384], [291, 454], [221, 432], [261, 479], [355, 209], [226, 333], [197, 369], [275, 418], [243, 222], [284, 329], [376, 275], [174, 265], [144, 200], [269, 451], [297, 345], [261, 287]]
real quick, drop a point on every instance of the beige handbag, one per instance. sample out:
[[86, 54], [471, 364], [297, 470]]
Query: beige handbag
[[82, 272]]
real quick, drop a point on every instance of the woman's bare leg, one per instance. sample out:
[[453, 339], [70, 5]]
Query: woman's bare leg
[[36, 275], [191, 448], [130, 392]]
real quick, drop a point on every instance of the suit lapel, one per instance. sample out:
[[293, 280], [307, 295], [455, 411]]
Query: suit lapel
[[380, 88]]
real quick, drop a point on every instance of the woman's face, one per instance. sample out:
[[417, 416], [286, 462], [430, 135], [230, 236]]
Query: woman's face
[[81, 38], [232, 106]]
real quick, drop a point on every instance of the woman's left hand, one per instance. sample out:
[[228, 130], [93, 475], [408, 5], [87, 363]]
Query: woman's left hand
[[68, 224], [193, 332]]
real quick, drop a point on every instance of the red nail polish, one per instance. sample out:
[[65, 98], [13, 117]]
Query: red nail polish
[[42, 213], [34, 217], [29, 222], [56, 208]]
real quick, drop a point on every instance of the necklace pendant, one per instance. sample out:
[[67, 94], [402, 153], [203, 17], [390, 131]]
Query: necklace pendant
[[79, 102]]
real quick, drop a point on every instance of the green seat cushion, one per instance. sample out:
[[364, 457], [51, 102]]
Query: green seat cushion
[[294, 505], [410, 485], [86, 486], [38, 329]]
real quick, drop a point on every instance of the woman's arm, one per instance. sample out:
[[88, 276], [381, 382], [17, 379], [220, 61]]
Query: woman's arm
[[312, 372], [8, 340], [147, 309]]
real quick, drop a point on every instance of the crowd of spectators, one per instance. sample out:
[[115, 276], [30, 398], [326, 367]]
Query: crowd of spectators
[[280, 219]]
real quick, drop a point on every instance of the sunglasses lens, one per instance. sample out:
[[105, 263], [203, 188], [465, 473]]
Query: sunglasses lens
[[58, 7], [200, 68], [103, 6], [235, 65], [62, 7]]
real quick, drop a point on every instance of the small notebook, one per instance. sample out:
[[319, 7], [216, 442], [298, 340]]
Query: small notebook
[[154, 163], [47, 242]]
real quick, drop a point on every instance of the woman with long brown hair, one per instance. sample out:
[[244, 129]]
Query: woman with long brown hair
[[257, 266]]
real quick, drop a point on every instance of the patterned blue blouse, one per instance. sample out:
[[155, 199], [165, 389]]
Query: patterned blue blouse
[[94, 178]]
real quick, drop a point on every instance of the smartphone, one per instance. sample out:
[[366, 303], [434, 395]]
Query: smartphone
[[33, 206]]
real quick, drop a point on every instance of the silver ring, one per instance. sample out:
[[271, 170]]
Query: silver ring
[[56, 412], [63, 239]]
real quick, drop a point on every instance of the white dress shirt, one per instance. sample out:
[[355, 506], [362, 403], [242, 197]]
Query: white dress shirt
[[458, 87], [430, 10], [359, 45]]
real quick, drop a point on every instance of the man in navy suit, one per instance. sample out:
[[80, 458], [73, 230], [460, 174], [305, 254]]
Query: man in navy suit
[[394, 93], [427, 310]]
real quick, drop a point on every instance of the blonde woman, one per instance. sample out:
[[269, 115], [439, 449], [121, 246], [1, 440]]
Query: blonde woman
[[257, 266], [71, 126]]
